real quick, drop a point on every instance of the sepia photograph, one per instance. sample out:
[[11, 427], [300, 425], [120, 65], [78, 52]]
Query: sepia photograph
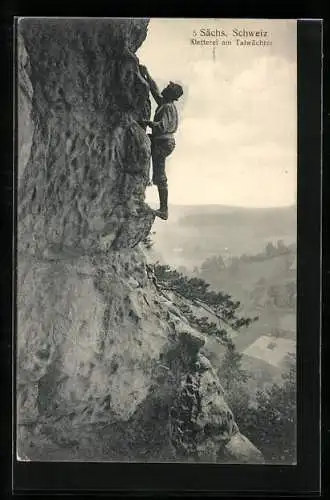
[[156, 240]]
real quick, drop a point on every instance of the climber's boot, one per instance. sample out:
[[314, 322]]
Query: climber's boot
[[163, 209]]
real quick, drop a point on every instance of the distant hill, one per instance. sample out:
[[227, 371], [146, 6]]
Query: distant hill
[[193, 233], [215, 215]]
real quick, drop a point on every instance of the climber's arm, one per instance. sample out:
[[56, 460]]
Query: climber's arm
[[153, 125], [165, 122], [155, 92]]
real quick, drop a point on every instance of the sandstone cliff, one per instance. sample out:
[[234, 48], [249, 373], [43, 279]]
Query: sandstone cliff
[[106, 368]]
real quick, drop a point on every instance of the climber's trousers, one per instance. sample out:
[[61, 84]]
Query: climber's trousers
[[160, 149]]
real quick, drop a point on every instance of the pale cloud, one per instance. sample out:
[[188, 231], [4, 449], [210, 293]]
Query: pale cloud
[[238, 121]]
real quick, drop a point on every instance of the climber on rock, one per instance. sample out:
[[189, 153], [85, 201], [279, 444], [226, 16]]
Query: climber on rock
[[163, 128]]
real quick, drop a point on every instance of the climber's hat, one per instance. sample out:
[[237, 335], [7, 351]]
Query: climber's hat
[[173, 90], [176, 89]]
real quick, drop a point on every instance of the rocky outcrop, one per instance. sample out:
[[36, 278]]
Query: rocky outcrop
[[106, 368], [85, 180]]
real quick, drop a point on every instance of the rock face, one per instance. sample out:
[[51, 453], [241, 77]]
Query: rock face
[[106, 368], [84, 184]]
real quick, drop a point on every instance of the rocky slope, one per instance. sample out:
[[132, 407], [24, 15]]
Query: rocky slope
[[107, 369]]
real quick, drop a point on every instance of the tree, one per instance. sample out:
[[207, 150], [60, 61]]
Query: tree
[[282, 296], [196, 290], [281, 248], [195, 271], [245, 257], [234, 381], [271, 424], [230, 371], [270, 249], [183, 270], [212, 266], [274, 295], [234, 265]]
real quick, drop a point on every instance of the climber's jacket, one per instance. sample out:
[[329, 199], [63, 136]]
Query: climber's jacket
[[165, 121]]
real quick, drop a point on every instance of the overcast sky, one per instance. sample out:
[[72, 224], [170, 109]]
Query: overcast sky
[[236, 143]]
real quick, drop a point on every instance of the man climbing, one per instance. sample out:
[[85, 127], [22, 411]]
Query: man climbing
[[163, 128]]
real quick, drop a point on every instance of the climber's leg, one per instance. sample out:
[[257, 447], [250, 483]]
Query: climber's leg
[[163, 197], [160, 180], [160, 150]]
